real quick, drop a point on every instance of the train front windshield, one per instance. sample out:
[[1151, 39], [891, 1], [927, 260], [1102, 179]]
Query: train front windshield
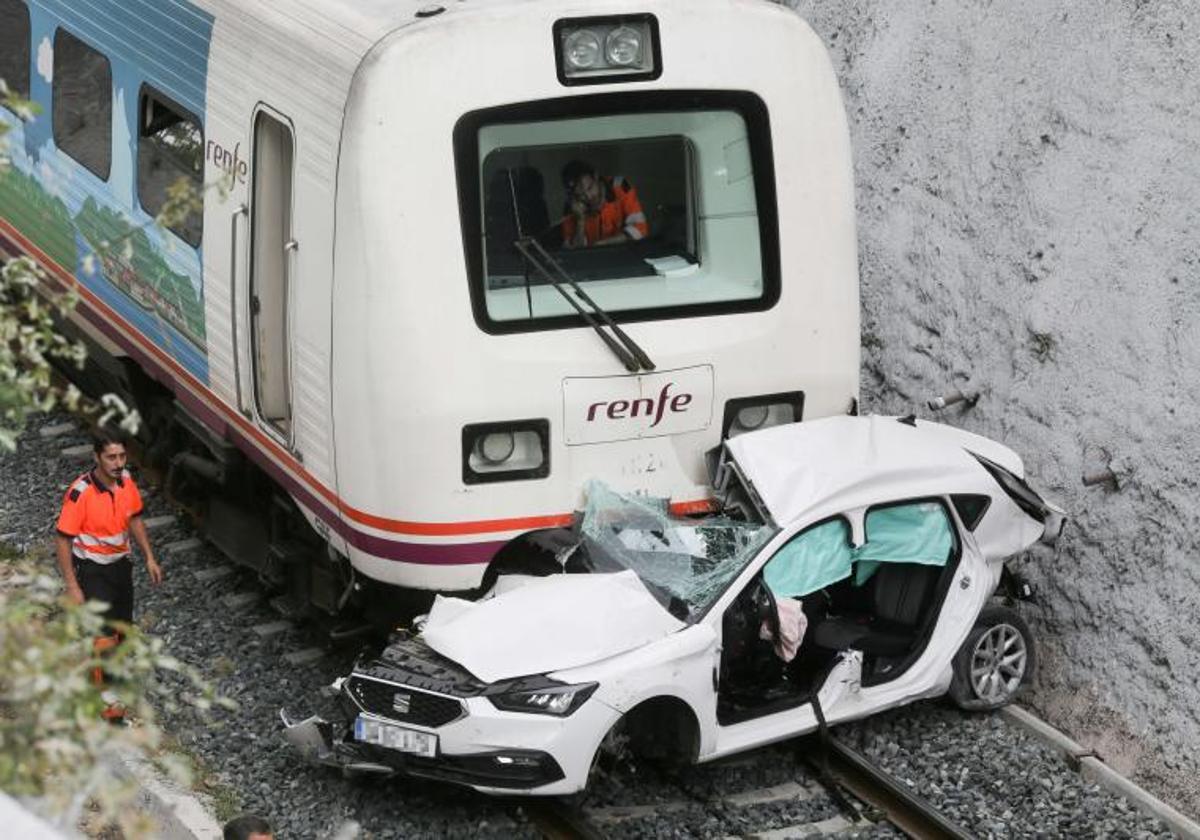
[[656, 212]]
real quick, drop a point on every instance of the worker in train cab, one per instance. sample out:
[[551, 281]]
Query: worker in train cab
[[100, 510], [601, 209]]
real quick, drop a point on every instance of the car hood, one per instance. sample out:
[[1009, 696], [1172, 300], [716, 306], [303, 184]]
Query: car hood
[[547, 624]]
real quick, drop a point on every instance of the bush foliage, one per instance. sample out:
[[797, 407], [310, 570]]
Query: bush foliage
[[56, 752]]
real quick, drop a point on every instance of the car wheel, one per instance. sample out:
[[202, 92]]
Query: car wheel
[[995, 662]]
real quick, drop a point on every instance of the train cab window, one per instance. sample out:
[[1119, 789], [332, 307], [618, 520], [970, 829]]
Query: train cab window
[[14, 47], [82, 106], [657, 206], [170, 151]]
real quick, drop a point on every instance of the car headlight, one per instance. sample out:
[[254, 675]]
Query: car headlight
[[547, 699]]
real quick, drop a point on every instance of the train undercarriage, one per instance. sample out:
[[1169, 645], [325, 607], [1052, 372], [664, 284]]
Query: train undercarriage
[[241, 510]]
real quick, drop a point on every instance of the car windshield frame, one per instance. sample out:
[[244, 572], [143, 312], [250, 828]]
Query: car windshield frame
[[749, 106]]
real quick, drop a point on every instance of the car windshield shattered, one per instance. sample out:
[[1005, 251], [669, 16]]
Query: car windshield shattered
[[686, 563]]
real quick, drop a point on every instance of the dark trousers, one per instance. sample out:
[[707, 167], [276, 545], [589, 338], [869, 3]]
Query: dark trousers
[[111, 583]]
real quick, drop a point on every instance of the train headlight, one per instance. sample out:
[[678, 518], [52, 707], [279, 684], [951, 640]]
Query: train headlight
[[510, 451], [598, 50], [751, 417], [623, 46], [750, 413], [582, 49], [495, 448]]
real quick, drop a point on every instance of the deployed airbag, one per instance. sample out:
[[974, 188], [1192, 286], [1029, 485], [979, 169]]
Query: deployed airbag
[[817, 558], [912, 533], [821, 556]]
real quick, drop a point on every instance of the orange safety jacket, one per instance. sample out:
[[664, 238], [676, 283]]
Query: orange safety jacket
[[621, 212], [96, 518]]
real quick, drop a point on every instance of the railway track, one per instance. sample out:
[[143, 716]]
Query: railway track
[[866, 801], [873, 785]]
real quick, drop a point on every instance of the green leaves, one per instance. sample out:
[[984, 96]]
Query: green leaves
[[29, 344], [54, 746], [52, 738]]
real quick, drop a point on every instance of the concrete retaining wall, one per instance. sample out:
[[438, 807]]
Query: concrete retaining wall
[[1029, 190]]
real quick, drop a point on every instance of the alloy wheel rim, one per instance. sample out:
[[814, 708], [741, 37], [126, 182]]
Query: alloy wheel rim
[[998, 663]]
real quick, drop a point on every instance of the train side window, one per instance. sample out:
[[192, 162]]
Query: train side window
[[14, 47], [170, 151], [83, 103]]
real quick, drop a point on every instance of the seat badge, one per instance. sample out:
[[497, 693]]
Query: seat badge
[[401, 701]]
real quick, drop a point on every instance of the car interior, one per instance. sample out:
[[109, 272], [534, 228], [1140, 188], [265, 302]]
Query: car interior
[[881, 598]]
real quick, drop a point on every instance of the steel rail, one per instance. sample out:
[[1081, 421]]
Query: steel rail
[[557, 819], [873, 785]]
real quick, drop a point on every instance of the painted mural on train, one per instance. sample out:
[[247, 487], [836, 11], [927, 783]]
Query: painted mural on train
[[115, 132]]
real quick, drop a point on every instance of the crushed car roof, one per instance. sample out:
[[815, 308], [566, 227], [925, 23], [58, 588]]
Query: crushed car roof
[[850, 462]]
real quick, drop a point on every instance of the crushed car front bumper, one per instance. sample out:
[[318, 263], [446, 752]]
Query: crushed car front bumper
[[510, 770], [477, 744]]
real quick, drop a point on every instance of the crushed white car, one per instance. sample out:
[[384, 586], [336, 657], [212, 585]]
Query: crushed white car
[[853, 569]]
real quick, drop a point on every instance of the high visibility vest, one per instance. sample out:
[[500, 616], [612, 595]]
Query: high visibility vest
[[96, 518], [621, 212]]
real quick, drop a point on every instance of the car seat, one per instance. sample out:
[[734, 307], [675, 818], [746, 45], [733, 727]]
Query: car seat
[[900, 594]]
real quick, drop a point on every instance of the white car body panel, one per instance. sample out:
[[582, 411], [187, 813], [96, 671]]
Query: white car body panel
[[679, 666], [487, 729]]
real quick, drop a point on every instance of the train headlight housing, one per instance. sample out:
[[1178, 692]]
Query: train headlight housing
[[600, 50], [751, 413], [508, 451]]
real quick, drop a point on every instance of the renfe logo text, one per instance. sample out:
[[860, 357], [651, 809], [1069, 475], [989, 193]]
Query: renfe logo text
[[643, 407]]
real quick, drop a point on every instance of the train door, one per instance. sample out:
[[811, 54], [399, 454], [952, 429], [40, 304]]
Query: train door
[[273, 252]]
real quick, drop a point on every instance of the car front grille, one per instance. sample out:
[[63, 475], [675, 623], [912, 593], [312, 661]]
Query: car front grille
[[403, 704]]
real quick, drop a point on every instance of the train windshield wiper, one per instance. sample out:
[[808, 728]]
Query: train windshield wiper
[[625, 348]]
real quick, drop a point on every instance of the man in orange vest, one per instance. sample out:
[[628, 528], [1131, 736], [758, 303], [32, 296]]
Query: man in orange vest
[[100, 510], [602, 210]]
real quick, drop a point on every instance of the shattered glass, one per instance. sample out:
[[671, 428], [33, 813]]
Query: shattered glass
[[686, 562]]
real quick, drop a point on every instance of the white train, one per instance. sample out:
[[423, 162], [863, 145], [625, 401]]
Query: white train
[[380, 330]]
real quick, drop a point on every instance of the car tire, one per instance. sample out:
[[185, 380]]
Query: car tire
[[995, 663]]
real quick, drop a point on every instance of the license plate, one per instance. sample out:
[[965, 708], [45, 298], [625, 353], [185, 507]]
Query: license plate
[[370, 731]]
